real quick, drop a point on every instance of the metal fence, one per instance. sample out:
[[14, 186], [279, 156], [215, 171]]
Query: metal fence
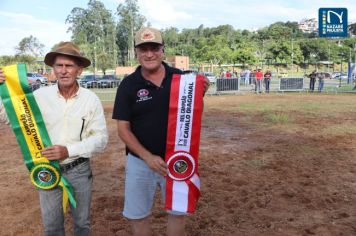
[[231, 85], [291, 84], [226, 86], [301, 84]]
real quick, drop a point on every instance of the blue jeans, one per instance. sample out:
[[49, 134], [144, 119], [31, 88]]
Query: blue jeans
[[258, 85], [81, 179], [321, 85]]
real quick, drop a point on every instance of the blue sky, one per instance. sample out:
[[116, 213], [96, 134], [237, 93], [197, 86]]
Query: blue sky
[[45, 19]]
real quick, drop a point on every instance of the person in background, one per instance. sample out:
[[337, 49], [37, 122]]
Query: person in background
[[258, 76], [247, 76], [75, 122], [253, 79], [141, 110], [267, 77], [312, 77], [321, 78], [35, 85], [228, 75]]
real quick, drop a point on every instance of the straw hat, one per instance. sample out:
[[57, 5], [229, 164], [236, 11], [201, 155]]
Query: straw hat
[[67, 49]]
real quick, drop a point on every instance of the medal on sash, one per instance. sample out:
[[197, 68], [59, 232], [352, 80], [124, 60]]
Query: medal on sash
[[183, 138], [31, 134]]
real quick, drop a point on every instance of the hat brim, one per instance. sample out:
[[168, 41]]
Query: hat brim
[[142, 43], [51, 56]]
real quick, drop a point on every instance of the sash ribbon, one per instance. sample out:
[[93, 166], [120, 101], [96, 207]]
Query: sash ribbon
[[183, 138]]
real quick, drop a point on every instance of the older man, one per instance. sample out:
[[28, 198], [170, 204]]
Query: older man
[[76, 124]]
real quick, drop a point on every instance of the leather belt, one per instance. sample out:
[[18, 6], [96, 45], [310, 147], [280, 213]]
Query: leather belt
[[73, 164]]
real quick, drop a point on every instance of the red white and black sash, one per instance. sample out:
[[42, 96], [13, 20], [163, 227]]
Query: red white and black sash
[[183, 138]]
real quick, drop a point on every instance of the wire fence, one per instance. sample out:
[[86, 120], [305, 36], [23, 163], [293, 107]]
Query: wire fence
[[107, 94]]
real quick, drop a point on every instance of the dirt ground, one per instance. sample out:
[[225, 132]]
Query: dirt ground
[[254, 181]]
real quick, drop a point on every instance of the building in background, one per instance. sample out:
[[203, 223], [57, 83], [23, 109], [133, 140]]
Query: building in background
[[308, 25], [180, 62]]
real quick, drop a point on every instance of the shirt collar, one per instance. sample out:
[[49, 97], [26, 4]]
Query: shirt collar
[[74, 96]]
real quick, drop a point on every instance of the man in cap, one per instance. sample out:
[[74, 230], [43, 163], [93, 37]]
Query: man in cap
[[141, 110], [75, 121]]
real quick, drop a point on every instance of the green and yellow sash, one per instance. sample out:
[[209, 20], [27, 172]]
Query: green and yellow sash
[[27, 123]]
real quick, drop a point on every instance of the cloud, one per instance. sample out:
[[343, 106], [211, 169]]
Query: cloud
[[17, 26], [163, 14]]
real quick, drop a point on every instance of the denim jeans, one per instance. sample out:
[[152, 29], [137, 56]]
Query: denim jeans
[[258, 85], [321, 85], [81, 179], [267, 82]]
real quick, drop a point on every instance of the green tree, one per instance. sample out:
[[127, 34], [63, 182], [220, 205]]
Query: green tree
[[30, 46], [352, 28], [130, 21], [94, 30]]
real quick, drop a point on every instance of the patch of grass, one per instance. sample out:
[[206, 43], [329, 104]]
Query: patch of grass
[[279, 118]]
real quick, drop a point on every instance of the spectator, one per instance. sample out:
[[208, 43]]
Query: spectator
[[321, 78], [267, 76], [36, 85], [228, 75], [247, 77], [312, 77], [258, 76], [252, 79]]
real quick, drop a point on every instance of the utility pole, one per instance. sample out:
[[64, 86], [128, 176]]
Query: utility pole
[[292, 55]]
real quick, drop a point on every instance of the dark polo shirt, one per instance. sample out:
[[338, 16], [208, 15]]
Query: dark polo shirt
[[145, 106]]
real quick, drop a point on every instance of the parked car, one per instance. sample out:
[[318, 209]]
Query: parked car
[[89, 81], [33, 77], [337, 75], [108, 81], [211, 77]]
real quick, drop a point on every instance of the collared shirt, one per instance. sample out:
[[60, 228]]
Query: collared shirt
[[3, 116], [77, 123], [146, 107]]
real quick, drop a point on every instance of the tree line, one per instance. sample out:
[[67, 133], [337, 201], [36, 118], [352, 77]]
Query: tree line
[[107, 37]]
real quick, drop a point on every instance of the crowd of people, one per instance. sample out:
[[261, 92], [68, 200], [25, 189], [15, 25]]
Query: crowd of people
[[256, 78], [314, 76]]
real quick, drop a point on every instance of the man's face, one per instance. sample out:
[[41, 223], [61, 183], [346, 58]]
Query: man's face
[[66, 71], [150, 56]]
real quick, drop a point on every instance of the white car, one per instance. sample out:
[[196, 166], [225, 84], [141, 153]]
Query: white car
[[337, 75], [33, 77]]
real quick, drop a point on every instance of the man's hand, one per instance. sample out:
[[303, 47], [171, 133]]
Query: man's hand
[[56, 152], [2, 76], [156, 164], [206, 84]]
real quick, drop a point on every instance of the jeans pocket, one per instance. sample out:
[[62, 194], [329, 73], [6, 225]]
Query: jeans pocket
[[83, 168]]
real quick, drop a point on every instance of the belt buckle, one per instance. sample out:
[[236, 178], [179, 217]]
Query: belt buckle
[[69, 166]]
